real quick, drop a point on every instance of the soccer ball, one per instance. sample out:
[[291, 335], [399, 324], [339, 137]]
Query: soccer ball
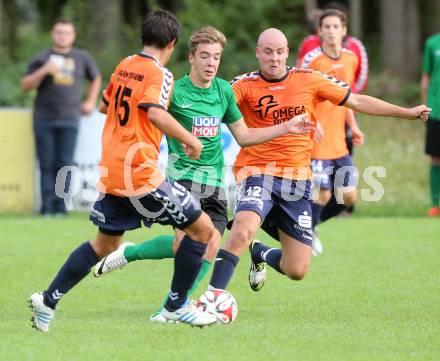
[[220, 303]]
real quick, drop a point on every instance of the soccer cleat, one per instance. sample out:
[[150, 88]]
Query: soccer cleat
[[433, 212], [190, 314], [111, 262], [159, 318], [41, 314], [317, 247], [257, 272]]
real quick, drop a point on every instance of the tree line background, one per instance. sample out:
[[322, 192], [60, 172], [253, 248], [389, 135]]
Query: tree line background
[[392, 31]]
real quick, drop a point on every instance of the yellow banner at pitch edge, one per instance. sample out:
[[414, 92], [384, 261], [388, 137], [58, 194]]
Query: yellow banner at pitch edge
[[17, 161]]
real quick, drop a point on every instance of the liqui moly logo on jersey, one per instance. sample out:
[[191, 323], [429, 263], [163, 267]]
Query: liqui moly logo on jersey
[[205, 126]]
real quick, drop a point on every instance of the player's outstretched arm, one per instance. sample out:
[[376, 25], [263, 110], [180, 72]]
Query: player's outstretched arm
[[374, 106], [165, 122], [246, 137]]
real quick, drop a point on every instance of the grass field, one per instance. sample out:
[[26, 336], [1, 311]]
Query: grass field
[[373, 295], [398, 146]]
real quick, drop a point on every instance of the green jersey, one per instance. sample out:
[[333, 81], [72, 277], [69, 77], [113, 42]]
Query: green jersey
[[201, 111], [431, 66]]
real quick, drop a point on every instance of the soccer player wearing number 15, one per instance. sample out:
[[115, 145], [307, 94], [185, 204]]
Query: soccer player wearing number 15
[[133, 190]]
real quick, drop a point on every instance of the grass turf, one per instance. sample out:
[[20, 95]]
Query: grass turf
[[373, 295], [396, 145]]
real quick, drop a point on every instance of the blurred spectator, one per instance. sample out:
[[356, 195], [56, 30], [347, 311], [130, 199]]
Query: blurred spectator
[[57, 74], [430, 87], [313, 41]]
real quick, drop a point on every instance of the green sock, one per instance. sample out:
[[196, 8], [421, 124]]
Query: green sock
[[202, 273], [156, 248], [434, 181]]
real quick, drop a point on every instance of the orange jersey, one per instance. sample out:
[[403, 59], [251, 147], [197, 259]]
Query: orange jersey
[[264, 103], [130, 142], [332, 118]]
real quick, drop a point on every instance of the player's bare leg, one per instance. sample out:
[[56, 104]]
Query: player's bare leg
[[104, 244], [292, 260], [295, 257], [243, 231], [346, 195]]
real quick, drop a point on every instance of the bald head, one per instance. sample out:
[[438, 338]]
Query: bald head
[[272, 52], [272, 36]]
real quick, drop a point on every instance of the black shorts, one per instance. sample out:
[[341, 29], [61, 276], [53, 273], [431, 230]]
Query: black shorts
[[433, 137], [169, 204], [212, 200], [281, 203]]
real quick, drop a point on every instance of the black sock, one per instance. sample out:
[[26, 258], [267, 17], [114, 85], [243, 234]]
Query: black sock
[[187, 263], [331, 209], [224, 268], [272, 256], [316, 213], [74, 270]]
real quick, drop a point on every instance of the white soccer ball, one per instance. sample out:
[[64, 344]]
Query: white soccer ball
[[219, 303]]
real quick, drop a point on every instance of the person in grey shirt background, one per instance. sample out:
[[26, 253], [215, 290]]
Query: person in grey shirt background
[[58, 74]]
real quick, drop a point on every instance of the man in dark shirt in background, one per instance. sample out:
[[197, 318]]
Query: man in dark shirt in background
[[57, 74]]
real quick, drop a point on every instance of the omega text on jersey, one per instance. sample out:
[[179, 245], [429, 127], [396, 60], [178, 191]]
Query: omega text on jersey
[[281, 115]]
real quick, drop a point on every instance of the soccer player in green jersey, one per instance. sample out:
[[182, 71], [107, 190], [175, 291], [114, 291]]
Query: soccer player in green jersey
[[430, 85], [201, 102]]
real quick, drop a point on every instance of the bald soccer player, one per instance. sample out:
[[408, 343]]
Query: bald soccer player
[[273, 178]]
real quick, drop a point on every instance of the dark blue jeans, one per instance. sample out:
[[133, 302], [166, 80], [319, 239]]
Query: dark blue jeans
[[55, 142]]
